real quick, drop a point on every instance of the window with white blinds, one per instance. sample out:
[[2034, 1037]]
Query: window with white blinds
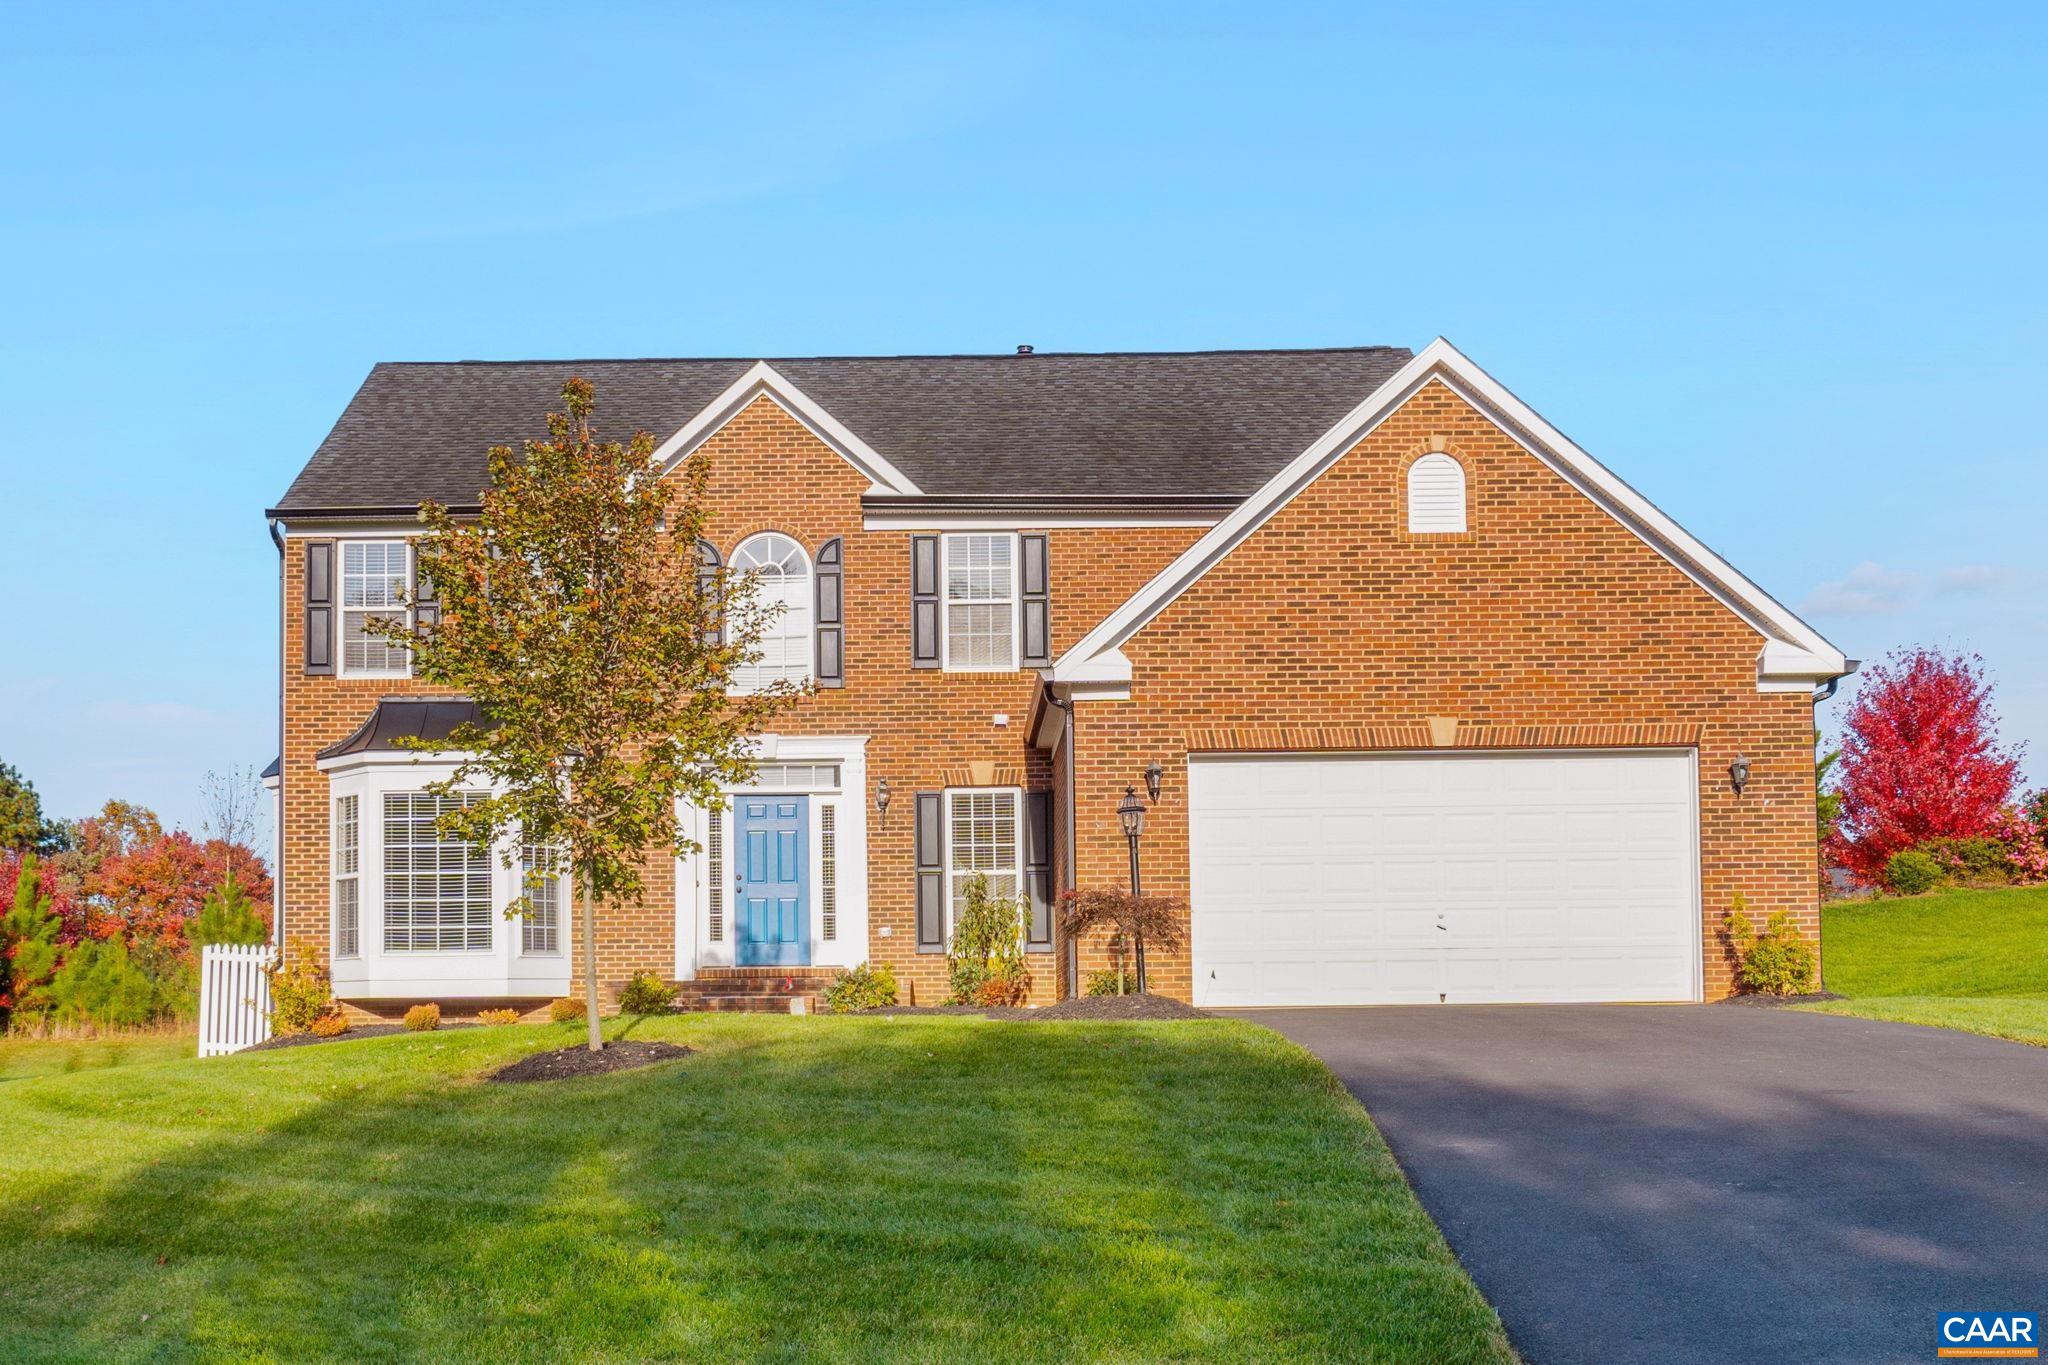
[[373, 575], [981, 602], [981, 840], [828, 870], [1436, 495], [714, 868], [347, 858], [437, 890], [543, 872], [781, 573]]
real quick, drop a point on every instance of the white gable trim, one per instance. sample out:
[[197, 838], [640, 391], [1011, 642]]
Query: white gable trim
[[762, 378], [1793, 655]]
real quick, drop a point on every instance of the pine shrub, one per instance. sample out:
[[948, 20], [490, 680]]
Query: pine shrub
[[423, 1018], [647, 993], [565, 1010], [1777, 961], [299, 993]]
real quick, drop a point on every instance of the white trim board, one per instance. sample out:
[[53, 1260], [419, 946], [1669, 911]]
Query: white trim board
[[761, 379], [1793, 657]]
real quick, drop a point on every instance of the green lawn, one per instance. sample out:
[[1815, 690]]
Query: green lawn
[[853, 1189], [24, 1057], [1972, 960]]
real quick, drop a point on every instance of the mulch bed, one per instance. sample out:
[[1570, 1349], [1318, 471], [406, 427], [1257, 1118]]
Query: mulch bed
[[1132, 1006], [1776, 1001], [357, 1031], [581, 1061]]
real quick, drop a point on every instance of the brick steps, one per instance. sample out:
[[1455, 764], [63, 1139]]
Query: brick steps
[[758, 990]]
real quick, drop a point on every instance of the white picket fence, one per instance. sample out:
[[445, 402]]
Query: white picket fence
[[234, 997]]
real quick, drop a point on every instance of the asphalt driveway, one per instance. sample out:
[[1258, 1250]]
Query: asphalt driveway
[[1711, 1183]]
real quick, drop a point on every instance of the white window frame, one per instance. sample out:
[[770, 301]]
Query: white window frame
[[1016, 795], [558, 875], [345, 862], [1015, 600], [342, 611], [809, 577]]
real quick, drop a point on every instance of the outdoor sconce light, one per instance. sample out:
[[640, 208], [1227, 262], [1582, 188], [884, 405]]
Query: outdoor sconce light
[[1738, 773], [1153, 774], [881, 796]]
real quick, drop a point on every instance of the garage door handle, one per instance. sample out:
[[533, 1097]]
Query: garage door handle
[[1440, 925]]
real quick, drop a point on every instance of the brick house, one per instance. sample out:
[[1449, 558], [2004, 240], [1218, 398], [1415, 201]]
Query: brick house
[[1437, 707]]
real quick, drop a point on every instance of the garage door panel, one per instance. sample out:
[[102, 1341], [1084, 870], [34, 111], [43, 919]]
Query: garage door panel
[[1503, 876]]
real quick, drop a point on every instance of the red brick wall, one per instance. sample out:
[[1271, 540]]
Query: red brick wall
[[929, 729], [1546, 623]]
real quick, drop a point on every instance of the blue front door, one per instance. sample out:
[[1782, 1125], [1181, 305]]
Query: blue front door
[[774, 910]]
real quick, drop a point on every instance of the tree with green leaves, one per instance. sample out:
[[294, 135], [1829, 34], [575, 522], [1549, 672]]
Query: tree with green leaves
[[227, 916], [571, 612], [21, 812], [28, 948]]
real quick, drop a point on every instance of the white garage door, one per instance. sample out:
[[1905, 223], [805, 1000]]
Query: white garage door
[[1471, 877]]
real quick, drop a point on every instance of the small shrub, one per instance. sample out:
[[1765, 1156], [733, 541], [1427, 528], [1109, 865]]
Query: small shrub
[[988, 942], [497, 1016], [1910, 872], [1778, 961], [565, 1010], [423, 1018], [865, 987], [1006, 985], [1108, 981], [329, 1025], [647, 993], [299, 992], [1979, 861]]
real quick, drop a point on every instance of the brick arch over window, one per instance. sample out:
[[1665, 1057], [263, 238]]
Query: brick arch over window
[[1436, 492]]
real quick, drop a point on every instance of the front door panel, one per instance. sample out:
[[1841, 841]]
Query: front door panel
[[774, 909]]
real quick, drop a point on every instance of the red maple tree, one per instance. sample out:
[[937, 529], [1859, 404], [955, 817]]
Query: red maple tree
[[1920, 759]]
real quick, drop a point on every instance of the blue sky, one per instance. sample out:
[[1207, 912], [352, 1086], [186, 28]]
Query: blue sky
[[1780, 267]]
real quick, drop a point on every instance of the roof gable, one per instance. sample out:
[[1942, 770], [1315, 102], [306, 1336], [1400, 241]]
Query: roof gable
[[1793, 656]]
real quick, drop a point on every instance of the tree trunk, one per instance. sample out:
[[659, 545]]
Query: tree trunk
[[590, 966]]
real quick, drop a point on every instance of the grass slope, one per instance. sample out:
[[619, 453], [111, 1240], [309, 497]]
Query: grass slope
[[1972, 960], [851, 1189], [24, 1057]]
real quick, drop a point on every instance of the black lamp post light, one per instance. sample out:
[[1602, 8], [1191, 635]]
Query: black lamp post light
[[1131, 814]]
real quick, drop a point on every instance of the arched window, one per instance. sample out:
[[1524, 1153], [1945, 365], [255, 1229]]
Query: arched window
[[1436, 494], [782, 575]]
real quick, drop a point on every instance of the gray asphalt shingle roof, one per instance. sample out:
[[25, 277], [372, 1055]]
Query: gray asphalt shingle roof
[[1055, 425]]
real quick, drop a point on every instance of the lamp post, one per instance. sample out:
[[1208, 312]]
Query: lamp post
[[1132, 814]]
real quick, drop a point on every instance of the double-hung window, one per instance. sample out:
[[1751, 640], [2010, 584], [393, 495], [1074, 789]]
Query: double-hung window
[[437, 889], [347, 857], [545, 882], [980, 573], [982, 841], [373, 585]]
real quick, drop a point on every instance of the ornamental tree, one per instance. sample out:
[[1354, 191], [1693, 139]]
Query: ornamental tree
[[1920, 759], [571, 612]]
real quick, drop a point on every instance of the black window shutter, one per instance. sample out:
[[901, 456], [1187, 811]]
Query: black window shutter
[[1038, 870], [426, 598], [320, 607], [931, 872], [1037, 598], [831, 604], [924, 601], [708, 564]]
